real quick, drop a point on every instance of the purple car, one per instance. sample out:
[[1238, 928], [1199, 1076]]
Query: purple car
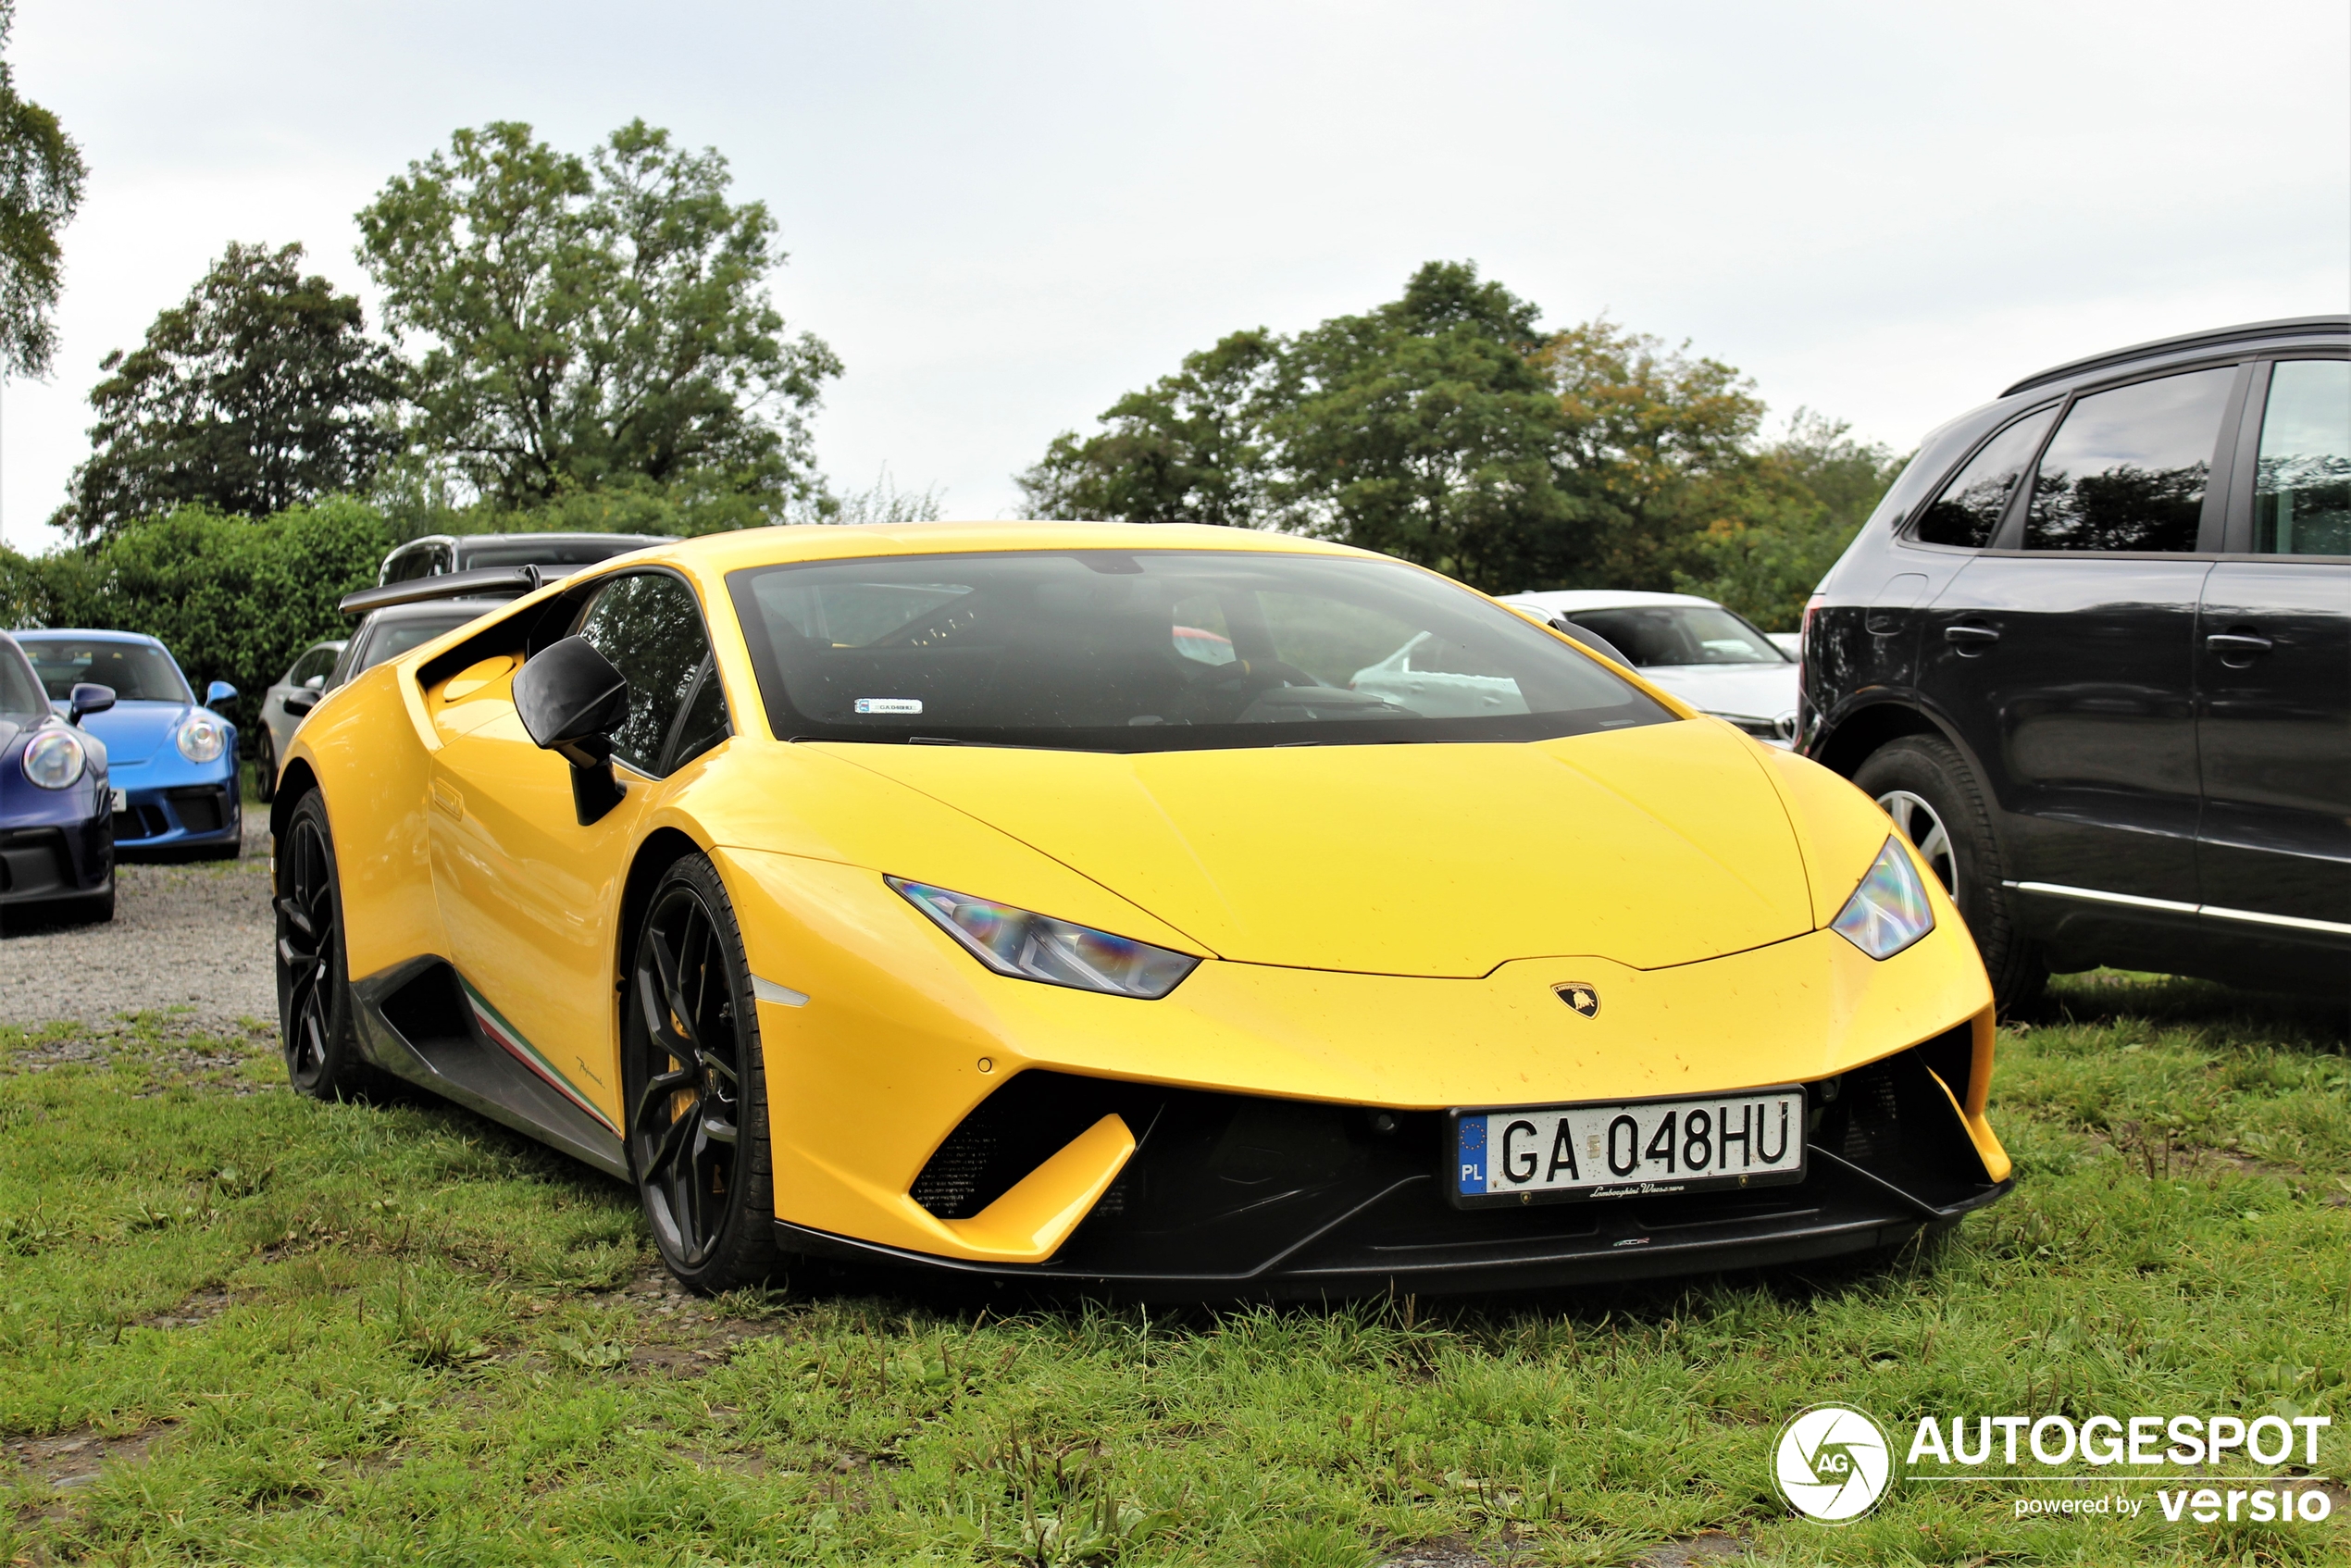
[[57, 833]]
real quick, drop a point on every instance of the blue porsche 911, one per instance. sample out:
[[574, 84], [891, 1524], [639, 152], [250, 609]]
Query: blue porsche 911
[[56, 846], [173, 760]]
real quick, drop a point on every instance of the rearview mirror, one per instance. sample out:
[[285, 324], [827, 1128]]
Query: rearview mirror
[[569, 699], [88, 697], [219, 691]]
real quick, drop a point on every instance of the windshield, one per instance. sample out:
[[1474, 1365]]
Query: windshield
[[139, 672], [20, 691], [529, 552], [1157, 651], [1681, 634]]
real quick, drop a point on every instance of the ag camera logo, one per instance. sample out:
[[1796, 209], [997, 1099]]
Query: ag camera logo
[[1832, 1463]]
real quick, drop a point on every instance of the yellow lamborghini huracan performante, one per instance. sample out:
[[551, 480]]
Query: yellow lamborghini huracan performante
[[1172, 911]]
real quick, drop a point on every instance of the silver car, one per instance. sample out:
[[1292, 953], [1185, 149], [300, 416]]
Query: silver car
[[307, 673], [1711, 658]]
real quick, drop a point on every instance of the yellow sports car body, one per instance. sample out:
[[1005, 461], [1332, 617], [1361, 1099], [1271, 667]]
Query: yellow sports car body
[[1047, 901]]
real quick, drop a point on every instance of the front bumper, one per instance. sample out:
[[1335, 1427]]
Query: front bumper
[[1232, 1195], [175, 816], [67, 860]]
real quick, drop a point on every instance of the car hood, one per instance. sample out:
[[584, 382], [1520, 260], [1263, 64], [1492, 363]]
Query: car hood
[[1654, 846], [134, 732], [1753, 691]]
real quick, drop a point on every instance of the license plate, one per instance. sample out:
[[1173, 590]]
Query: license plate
[[1533, 1153], [122, 800]]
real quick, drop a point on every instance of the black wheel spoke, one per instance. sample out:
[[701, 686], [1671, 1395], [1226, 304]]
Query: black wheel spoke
[[685, 1074]]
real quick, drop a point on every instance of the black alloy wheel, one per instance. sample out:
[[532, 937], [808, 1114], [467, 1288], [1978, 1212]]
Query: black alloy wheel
[[314, 1018], [696, 1090], [1926, 786]]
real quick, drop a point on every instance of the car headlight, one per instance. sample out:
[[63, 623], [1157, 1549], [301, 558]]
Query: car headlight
[[1036, 947], [1889, 910], [55, 758], [202, 738]]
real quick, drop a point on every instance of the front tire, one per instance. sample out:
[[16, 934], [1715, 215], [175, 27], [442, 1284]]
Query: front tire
[[696, 1088], [316, 1016], [1934, 799]]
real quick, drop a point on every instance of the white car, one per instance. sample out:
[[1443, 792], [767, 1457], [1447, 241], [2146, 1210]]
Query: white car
[[1711, 658]]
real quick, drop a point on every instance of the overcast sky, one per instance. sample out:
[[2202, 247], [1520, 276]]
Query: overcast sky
[[1004, 216]]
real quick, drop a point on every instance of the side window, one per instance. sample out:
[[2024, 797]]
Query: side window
[[1968, 512], [2127, 469], [311, 666], [705, 724], [408, 565], [2302, 483], [649, 626]]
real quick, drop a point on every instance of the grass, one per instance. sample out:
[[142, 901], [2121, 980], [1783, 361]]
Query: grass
[[237, 1327]]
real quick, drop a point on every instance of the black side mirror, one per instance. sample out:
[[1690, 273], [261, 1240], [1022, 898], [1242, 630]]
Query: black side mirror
[[88, 697], [569, 699], [299, 703]]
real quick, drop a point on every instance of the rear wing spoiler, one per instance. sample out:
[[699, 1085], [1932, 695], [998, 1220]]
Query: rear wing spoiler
[[483, 582]]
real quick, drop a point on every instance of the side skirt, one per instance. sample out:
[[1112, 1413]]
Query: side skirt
[[419, 1021]]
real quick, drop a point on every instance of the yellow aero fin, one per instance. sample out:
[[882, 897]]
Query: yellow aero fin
[[1027, 1224]]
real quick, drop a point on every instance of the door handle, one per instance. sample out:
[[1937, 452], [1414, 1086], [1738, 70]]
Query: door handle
[[1971, 636], [2237, 644]]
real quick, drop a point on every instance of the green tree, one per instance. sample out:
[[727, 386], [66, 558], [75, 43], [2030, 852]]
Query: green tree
[[1800, 504], [41, 179], [1190, 447], [259, 391], [1425, 429], [594, 322]]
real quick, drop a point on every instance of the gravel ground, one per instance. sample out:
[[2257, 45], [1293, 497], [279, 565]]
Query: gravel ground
[[191, 942]]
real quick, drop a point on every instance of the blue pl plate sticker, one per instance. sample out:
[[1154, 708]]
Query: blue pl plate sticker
[[890, 704], [1473, 1155]]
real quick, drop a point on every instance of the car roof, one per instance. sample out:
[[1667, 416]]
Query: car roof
[[1603, 599], [536, 537], [2284, 328], [721, 553]]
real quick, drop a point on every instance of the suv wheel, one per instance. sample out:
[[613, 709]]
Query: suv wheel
[[1927, 787]]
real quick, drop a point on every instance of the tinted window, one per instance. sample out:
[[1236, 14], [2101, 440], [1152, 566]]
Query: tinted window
[[2302, 485], [649, 626], [388, 639], [1148, 650], [422, 560], [2127, 469], [1968, 512], [1681, 634], [21, 690], [311, 666], [705, 722], [138, 672]]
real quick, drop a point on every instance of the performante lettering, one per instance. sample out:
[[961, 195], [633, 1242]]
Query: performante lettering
[[1562, 1154]]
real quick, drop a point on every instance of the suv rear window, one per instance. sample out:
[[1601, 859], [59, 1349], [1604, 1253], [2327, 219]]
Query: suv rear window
[[1968, 512], [2127, 469]]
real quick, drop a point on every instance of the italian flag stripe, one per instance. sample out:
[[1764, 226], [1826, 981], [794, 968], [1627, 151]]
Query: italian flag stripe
[[511, 1040]]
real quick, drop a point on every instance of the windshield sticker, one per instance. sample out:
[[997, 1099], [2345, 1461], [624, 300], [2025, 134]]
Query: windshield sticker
[[890, 704]]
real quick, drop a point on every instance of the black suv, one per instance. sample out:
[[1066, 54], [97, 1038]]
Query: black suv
[[2093, 653]]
